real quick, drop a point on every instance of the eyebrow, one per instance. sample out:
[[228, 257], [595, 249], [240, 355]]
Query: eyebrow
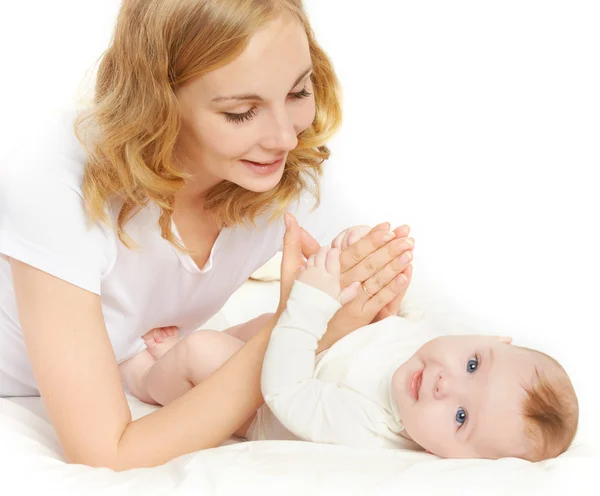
[[257, 97]]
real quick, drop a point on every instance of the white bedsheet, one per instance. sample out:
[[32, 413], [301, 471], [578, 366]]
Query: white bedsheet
[[30, 457]]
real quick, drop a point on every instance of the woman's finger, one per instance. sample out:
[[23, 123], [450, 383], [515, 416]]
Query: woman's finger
[[385, 295], [292, 256], [383, 277], [360, 250], [310, 245], [393, 307], [350, 293], [375, 262]]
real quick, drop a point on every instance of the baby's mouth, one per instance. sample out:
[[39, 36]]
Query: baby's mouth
[[415, 384]]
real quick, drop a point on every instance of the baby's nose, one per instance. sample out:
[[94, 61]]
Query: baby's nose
[[440, 386]]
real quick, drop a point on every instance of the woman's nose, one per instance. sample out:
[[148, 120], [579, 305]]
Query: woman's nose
[[280, 135]]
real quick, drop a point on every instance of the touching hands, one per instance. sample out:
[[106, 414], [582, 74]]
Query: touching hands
[[322, 272]]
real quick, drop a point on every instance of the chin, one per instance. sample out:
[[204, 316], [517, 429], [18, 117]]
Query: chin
[[261, 184]]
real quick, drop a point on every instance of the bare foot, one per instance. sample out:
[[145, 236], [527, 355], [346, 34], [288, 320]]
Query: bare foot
[[160, 340]]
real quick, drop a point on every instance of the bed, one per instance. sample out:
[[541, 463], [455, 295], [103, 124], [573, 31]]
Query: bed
[[31, 455]]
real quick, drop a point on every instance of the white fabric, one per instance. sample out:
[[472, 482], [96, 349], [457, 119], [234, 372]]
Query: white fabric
[[43, 223], [31, 457], [344, 396]]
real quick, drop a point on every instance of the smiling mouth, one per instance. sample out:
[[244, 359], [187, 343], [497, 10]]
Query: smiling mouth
[[272, 162], [415, 384]]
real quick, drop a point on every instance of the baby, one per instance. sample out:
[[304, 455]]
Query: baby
[[392, 384]]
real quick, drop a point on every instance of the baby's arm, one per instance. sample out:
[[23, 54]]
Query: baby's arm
[[310, 408]]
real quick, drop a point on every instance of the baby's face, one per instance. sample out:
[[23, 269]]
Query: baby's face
[[461, 396]]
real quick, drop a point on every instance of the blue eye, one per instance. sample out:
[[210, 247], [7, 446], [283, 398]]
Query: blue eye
[[461, 416], [472, 365]]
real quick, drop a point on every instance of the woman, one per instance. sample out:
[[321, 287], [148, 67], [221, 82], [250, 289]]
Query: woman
[[209, 121]]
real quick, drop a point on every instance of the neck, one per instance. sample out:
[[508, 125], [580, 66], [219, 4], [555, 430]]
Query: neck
[[194, 191], [196, 187]]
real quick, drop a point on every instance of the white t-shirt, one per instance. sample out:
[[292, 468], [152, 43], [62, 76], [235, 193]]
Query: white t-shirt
[[43, 223], [344, 395]]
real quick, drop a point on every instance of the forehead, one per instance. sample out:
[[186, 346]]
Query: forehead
[[451, 344], [273, 59], [500, 427]]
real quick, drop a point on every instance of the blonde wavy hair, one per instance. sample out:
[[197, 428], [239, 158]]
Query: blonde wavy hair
[[158, 46]]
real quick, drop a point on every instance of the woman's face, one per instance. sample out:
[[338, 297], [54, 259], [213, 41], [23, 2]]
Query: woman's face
[[249, 112]]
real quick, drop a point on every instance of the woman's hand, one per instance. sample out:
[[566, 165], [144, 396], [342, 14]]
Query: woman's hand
[[381, 261], [374, 270], [292, 260]]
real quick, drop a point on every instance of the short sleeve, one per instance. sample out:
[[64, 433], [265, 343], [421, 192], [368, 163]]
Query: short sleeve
[[43, 222]]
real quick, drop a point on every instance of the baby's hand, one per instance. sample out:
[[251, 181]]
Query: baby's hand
[[350, 236], [322, 272]]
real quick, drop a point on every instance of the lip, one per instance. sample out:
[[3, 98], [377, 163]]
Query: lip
[[264, 168], [415, 384]]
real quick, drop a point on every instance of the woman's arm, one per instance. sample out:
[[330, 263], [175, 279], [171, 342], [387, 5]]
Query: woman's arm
[[78, 377], [79, 381]]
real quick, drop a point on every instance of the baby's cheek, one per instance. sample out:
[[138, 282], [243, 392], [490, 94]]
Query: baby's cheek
[[427, 428]]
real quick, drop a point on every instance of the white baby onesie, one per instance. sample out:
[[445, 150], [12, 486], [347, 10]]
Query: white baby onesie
[[343, 397]]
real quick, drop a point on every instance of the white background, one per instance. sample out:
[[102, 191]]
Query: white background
[[476, 122]]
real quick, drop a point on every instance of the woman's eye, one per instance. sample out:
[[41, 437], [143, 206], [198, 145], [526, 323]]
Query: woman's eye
[[246, 116], [239, 118], [300, 94], [472, 365], [461, 416]]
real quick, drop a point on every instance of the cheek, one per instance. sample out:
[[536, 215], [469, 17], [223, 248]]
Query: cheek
[[433, 351], [304, 116], [428, 427], [225, 139]]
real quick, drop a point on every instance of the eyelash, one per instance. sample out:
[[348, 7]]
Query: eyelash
[[246, 116], [477, 358]]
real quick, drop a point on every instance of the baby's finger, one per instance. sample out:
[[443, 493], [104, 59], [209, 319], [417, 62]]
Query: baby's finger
[[402, 231], [356, 234], [321, 256], [332, 262], [337, 242]]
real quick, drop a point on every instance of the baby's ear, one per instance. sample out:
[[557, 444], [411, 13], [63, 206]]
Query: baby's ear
[[504, 339]]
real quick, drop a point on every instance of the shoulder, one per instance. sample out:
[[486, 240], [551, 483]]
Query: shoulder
[[47, 152], [43, 220]]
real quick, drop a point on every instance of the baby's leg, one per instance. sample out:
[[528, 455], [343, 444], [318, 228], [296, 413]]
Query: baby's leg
[[134, 370], [160, 340], [188, 363], [133, 374]]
